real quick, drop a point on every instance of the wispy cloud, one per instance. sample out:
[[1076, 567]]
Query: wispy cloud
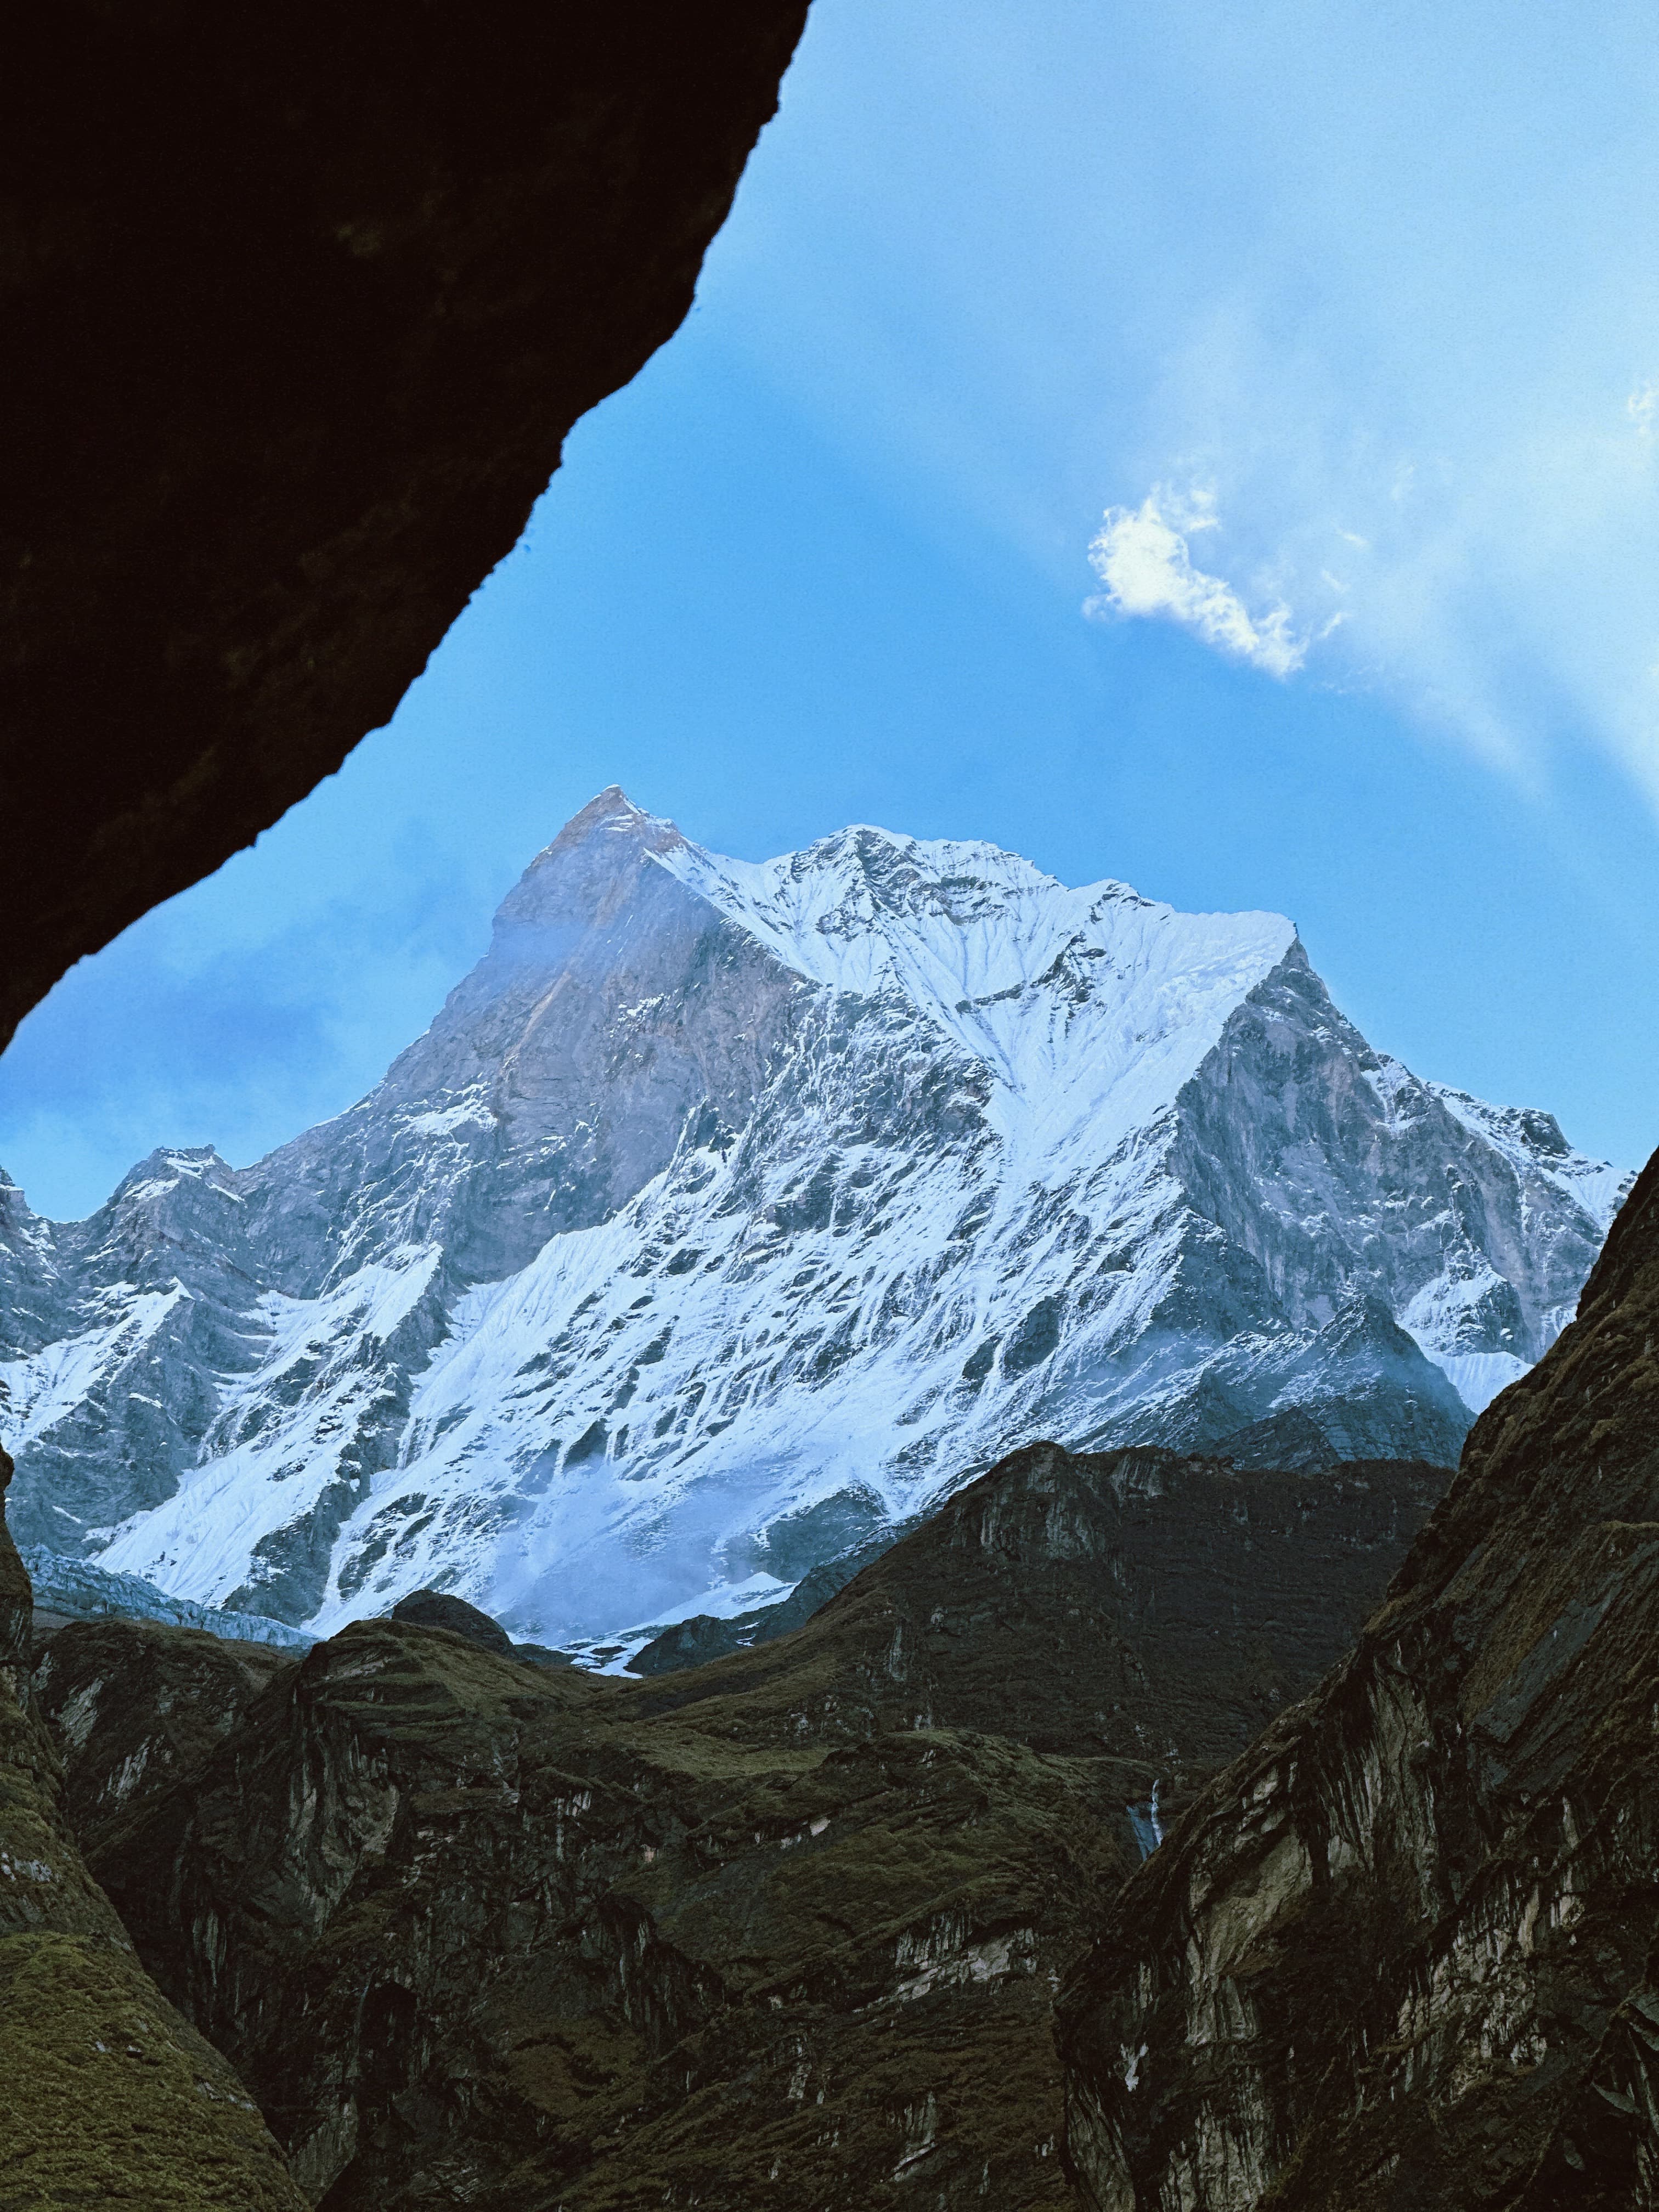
[[1487, 556], [1142, 557], [170, 1037]]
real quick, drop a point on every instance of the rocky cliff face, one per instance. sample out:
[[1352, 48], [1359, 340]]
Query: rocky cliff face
[[726, 1213], [1156, 1608], [1402, 1953], [479, 1933], [296, 314], [107, 2097]]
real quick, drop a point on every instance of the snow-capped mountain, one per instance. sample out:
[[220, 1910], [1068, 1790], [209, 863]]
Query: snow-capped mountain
[[727, 1213]]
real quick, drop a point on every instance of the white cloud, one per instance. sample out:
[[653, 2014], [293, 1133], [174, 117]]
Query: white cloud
[[1479, 554], [1142, 557]]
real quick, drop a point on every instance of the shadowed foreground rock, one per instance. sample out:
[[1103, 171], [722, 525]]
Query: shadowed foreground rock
[[106, 2096], [1151, 1607], [431, 1608], [1400, 1956], [157, 1703], [785, 1927], [297, 306], [427, 1608]]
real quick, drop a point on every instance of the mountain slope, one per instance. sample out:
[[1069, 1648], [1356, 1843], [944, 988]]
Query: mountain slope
[[107, 2097], [1405, 1952], [727, 1213], [477, 1934]]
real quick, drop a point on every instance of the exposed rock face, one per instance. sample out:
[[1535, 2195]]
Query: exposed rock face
[[478, 1934], [156, 1705], [484, 1936], [17, 1607], [296, 313], [726, 1214], [1158, 1608], [106, 2096], [1402, 1953]]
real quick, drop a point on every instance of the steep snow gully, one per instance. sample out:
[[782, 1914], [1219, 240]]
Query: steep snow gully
[[728, 1213]]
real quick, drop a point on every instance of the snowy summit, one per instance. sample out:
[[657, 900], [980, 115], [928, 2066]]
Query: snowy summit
[[728, 1212]]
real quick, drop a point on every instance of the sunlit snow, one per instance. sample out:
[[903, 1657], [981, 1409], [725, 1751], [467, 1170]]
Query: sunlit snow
[[863, 1165]]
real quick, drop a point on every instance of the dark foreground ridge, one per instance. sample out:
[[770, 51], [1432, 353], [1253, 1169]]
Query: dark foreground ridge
[[431, 1608], [1156, 1608], [788, 1925], [107, 2097], [1400, 1956], [298, 308]]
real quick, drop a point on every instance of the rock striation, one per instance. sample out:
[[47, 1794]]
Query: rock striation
[[727, 1214], [478, 1933], [155, 1705], [296, 313], [107, 2097], [1402, 1953]]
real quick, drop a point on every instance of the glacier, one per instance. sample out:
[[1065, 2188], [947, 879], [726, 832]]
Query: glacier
[[730, 1214]]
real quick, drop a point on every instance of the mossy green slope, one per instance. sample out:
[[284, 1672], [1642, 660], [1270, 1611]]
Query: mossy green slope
[[1151, 1607], [106, 2095], [159, 1703], [478, 1934], [108, 2098]]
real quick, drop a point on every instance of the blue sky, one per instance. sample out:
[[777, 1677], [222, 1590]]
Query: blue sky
[[1313, 350]]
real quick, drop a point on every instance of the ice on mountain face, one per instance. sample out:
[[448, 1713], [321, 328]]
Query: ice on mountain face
[[1469, 1323], [1533, 1144], [291, 1445], [728, 1212], [86, 1592]]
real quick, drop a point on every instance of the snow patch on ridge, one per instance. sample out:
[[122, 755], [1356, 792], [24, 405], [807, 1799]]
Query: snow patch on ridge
[[1478, 1376], [1091, 1005], [1531, 1141], [37, 1393], [259, 1474]]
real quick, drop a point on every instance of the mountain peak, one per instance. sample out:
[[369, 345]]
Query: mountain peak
[[729, 1209], [172, 1164], [897, 868], [587, 865], [612, 813]]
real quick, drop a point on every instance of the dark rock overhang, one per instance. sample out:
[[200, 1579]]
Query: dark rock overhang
[[297, 304]]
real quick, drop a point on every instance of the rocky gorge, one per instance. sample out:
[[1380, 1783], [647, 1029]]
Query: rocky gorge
[[475, 1931], [1402, 1953]]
